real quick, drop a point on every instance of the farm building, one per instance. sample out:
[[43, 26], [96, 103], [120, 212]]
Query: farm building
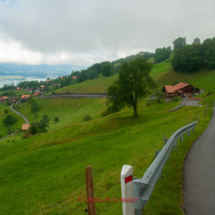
[[25, 127], [180, 89], [24, 98], [3, 98]]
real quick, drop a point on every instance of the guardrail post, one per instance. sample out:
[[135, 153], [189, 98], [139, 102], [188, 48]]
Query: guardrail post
[[157, 153], [175, 144], [181, 137], [188, 133], [193, 130], [127, 189]]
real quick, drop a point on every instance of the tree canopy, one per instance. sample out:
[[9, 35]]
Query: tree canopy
[[132, 85], [179, 43], [193, 57]]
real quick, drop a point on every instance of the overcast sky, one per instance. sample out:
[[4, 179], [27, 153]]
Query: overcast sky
[[84, 32]]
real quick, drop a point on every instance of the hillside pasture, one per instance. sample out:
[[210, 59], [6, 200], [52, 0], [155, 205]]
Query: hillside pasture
[[44, 174]]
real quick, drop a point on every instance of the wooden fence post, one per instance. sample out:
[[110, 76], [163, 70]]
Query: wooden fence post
[[91, 208]]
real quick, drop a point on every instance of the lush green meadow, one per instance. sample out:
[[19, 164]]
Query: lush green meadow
[[69, 111], [15, 127], [45, 174]]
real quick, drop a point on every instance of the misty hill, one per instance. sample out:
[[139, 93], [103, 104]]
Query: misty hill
[[39, 71]]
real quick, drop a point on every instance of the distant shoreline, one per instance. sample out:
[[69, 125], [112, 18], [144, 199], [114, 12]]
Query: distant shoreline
[[18, 80]]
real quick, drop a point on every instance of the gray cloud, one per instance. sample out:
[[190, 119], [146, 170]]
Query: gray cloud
[[105, 28]]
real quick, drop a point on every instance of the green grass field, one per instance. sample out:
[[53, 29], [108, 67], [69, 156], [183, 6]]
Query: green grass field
[[69, 111], [20, 92], [44, 174], [15, 127]]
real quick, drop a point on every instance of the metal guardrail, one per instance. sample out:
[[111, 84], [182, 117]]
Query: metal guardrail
[[144, 187]]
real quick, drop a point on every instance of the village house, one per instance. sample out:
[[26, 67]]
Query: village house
[[36, 94], [180, 89], [24, 98], [3, 98], [53, 84], [13, 99], [17, 88], [74, 77]]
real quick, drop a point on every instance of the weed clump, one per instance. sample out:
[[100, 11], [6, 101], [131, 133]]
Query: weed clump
[[87, 118]]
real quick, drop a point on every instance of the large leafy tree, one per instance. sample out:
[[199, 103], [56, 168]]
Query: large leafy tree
[[132, 85]]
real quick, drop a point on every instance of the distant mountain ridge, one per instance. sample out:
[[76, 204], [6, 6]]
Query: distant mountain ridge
[[40, 71]]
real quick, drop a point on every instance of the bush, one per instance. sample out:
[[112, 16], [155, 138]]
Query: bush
[[33, 129], [176, 99], [26, 134], [87, 118], [53, 93], [56, 119], [6, 111]]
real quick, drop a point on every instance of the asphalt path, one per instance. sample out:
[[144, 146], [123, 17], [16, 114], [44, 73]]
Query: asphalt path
[[199, 174], [26, 120], [190, 103]]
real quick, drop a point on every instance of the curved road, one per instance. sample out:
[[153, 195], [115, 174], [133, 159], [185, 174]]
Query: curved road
[[26, 121], [199, 174]]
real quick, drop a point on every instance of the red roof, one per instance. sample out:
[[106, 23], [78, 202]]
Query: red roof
[[25, 96], [177, 87], [25, 126], [4, 97]]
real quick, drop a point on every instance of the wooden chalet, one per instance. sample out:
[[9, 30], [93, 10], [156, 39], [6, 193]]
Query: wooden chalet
[[3, 98], [24, 98], [179, 89]]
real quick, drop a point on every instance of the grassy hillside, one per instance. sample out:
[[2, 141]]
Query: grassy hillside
[[101, 84], [20, 92], [15, 127], [44, 174], [203, 79], [69, 111]]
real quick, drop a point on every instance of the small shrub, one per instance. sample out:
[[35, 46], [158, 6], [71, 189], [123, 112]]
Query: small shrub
[[56, 119], [35, 114], [6, 111], [87, 118], [53, 93], [26, 134], [8, 141], [175, 99]]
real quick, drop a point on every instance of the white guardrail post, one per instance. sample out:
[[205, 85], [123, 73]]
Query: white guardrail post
[[136, 192], [127, 189]]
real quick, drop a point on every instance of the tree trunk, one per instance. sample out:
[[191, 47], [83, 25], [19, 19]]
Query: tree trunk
[[135, 107]]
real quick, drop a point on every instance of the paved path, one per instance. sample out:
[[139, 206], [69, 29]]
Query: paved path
[[26, 121], [190, 103], [199, 174]]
